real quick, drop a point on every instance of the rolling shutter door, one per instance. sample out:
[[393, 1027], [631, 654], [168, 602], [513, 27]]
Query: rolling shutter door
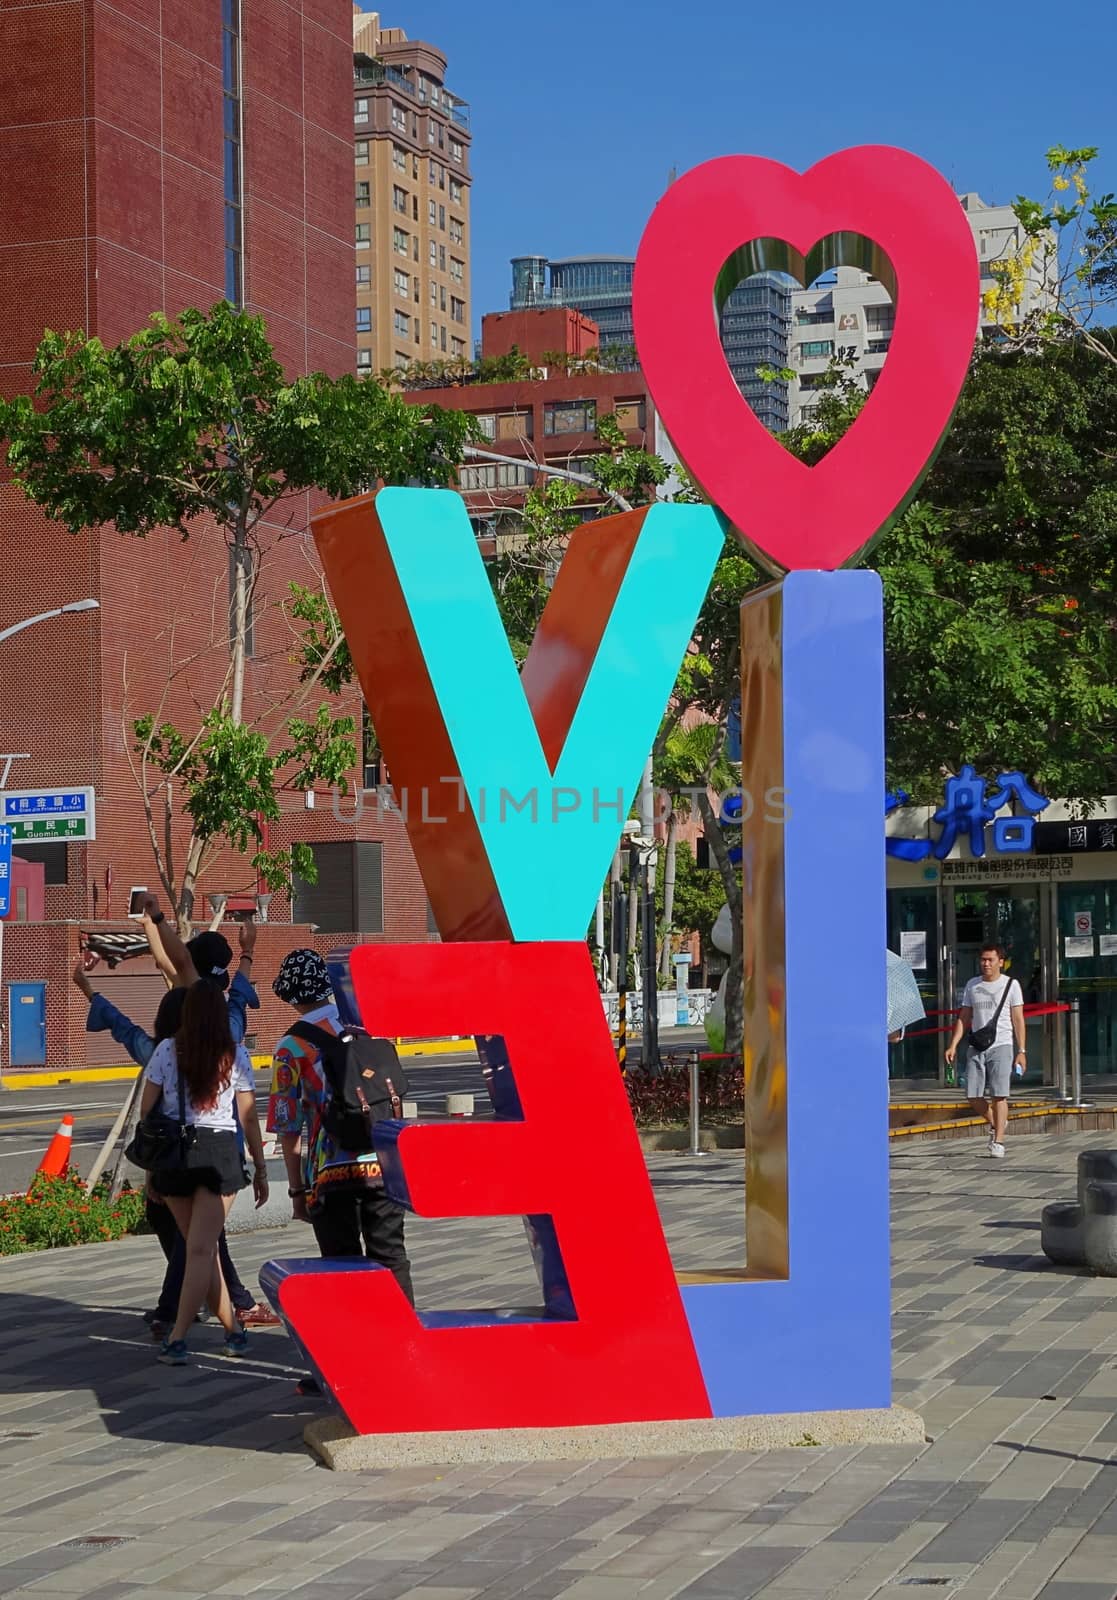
[[137, 994]]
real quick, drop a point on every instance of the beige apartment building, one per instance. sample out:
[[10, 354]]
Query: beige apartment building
[[411, 149]]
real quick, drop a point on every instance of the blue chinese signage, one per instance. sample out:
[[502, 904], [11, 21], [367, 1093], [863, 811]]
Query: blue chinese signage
[[969, 805]]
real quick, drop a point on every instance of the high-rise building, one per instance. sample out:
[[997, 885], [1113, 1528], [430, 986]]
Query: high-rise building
[[755, 324], [155, 157], [411, 155], [849, 316]]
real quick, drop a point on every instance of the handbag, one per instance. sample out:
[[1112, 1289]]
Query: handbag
[[982, 1038], [160, 1143]]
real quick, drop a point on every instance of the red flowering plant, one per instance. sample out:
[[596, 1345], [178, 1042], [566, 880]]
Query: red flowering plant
[[58, 1211]]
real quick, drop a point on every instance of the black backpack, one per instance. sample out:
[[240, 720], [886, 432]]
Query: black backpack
[[365, 1079]]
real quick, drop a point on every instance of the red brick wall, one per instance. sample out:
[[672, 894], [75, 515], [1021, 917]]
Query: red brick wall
[[111, 207], [537, 332]]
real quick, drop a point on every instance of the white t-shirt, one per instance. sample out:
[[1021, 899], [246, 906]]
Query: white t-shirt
[[162, 1069], [984, 998]]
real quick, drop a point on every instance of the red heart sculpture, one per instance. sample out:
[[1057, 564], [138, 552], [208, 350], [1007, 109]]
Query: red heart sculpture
[[874, 207]]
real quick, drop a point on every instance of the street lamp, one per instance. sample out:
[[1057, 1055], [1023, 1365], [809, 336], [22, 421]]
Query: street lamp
[[45, 616]]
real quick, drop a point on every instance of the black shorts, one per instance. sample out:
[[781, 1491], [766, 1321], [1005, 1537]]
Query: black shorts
[[214, 1161]]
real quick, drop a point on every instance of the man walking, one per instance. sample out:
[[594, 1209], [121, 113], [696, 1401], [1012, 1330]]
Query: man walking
[[339, 1192], [991, 1018]]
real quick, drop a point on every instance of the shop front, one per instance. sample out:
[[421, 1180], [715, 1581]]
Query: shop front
[[1050, 899]]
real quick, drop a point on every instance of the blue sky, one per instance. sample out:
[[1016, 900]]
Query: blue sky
[[580, 109]]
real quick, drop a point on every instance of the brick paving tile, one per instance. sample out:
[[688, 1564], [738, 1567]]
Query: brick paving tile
[[205, 1475]]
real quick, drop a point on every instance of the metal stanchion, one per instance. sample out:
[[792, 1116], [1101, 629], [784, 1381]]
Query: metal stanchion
[[692, 1068], [1075, 1055]]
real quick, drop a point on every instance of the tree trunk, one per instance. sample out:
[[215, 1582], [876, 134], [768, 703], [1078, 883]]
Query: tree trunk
[[668, 893], [238, 629], [185, 913]]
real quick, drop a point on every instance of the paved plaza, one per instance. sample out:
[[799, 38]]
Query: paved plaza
[[123, 1478]]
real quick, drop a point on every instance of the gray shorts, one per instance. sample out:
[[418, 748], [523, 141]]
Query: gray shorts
[[989, 1072]]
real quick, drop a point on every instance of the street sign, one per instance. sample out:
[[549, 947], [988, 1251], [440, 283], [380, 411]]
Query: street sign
[[44, 814], [5, 870]]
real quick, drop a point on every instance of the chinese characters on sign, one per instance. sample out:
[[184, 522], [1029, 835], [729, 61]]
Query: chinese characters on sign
[[1054, 838], [49, 814], [968, 806], [5, 870]]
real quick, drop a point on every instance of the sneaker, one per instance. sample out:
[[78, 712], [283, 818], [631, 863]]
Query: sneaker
[[236, 1344], [173, 1353], [308, 1385], [160, 1328], [997, 1151]]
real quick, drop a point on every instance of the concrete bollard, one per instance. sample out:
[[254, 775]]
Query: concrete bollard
[[1061, 1233], [1099, 1227], [1095, 1164], [459, 1105]]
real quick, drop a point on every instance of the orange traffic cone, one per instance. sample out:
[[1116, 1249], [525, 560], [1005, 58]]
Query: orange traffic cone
[[57, 1157]]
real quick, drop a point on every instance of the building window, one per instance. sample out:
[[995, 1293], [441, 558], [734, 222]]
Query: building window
[[457, 347], [399, 199], [402, 323], [434, 292], [502, 476], [455, 192], [364, 360], [813, 349], [880, 319], [457, 269], [233, 132], [363, 196], [363, 235], [362, 153], [457, 232], [364, 319], [442, 258], [240, 560], [431, 133], [414, 208], [432, 213], [877, 347], [486, 424], [433, 254], [442, 336], [415, 247], [360, 115], [813, 319], [418, 329], [403, 284], [457, 309], [434, 334], [433, 170], [442, 218], [570, 416], [513, 425], [348, 895], [399, 117], [364, 276], [399, 158], [630, 414], [455, 150], [399, 241]]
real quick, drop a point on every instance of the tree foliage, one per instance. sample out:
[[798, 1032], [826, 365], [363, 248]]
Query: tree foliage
[[194, 418]]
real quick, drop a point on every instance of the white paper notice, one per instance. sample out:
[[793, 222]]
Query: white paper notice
[[1107, 944], [1074, 947], [913, 949]]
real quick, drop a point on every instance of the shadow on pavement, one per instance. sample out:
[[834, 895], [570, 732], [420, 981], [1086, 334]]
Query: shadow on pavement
[[87, 1371]]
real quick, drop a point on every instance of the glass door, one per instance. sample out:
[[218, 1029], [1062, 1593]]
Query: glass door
[[1009, 915], [1087, 957], [913, 933]]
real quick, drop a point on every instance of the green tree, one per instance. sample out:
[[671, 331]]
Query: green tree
[[193, 418]]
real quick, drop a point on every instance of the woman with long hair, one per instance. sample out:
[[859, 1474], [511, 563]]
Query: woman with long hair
[[203, 1064]]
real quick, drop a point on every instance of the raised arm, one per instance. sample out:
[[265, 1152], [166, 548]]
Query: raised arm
[[171, 955]]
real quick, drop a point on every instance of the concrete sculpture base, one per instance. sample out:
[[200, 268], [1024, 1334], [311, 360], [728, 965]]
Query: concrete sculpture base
[[340, 1448]]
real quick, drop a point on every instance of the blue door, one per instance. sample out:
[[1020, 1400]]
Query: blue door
[[27, 1024]]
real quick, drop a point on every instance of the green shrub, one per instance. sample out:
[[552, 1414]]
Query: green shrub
[[57, 1211]]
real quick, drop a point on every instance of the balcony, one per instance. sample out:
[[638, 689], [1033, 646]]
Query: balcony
[[376, 73]]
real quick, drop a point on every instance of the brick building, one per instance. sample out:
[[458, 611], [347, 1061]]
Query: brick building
[[543, 420], [157, 154]]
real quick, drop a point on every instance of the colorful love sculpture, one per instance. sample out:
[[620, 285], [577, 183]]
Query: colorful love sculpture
[[526, 780]]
